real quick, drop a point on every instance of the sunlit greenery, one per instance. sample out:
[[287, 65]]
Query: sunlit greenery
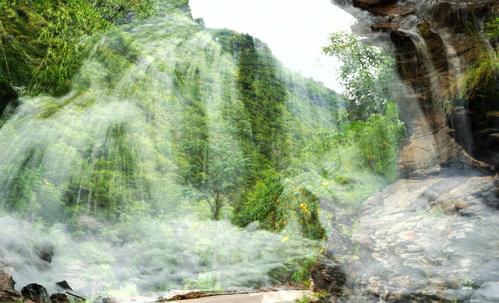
[[45, 42], [492, 28], [366, 75]]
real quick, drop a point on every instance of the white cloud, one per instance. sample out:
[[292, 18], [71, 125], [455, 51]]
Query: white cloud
[[295, 30]]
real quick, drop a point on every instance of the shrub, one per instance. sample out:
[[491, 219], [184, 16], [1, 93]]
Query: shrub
[[45, 42], [378, 138]]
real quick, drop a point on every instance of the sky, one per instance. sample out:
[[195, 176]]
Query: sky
[[295, 30]]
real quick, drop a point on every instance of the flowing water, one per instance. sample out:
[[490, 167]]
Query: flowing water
[[109, 152]]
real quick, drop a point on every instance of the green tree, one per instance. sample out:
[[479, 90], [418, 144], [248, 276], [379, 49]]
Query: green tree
[[365, 74], [378, 139], [207, 156]]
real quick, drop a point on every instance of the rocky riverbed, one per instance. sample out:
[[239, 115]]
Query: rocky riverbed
[[431, 238]]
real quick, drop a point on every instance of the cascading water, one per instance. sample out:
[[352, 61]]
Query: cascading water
[[96, 177]]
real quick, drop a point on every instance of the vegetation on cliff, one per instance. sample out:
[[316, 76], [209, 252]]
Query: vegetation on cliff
[[43, 43]]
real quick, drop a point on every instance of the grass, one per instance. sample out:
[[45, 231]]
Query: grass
[[43, 43], [481, 77]]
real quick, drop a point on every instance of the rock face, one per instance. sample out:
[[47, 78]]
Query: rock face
[[330, 277], [426, 240], [7, 291], [489, 292], [440, 51], [433, 237]]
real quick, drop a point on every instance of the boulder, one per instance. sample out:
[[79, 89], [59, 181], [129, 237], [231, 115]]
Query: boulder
[[488, 293], [45, 252], [424, 240], [64, 285], [36, 293]]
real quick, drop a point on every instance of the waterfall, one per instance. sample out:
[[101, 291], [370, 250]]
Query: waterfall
[[97, 177]]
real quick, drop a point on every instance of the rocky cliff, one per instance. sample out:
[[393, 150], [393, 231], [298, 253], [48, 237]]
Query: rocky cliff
[[431, 236], [446, 55]]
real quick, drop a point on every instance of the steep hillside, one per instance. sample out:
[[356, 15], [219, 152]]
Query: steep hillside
[[173, 142]]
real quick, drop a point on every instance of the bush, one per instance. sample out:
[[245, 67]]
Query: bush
[[264, 203], [378, 138]]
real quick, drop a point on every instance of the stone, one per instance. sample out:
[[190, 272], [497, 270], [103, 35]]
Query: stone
[[384, 26], [64, 285], [6, 281], [329, 277], [488, 293], [7, 291], [493, 139], [434, 48], [393, 10], [425, 173], [35, 292], [460, 205], [366, 4], [59, 298], [45, 252]]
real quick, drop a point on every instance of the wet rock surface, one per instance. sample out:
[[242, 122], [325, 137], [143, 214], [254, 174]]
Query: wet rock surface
[[330, 277], [35, 292], [426, 240], [7, 291], [489, 292], [59, 298]]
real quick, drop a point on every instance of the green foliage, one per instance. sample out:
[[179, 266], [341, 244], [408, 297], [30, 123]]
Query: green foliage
[[481, 77], [264, 203], [375, 131], [274, 208], [296, 272], [45, 42], [206, 158], [263, 95], [308, 214], [111, 183], [22, 196], [492, 28], [365, 75], [378, 138], [235, 158], [345, 167]]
